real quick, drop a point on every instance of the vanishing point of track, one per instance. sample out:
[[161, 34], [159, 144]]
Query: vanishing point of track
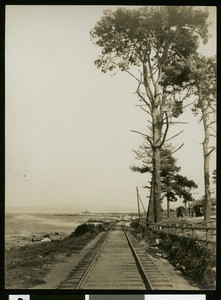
[[117, 261]]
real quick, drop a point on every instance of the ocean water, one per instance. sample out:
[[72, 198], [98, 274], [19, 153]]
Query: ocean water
[[19, 228]]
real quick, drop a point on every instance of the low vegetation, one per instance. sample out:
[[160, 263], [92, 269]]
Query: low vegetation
[[196, 262], [87, 228]]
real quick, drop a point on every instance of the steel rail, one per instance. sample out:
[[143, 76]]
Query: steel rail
[[140, 267], [88, 270]]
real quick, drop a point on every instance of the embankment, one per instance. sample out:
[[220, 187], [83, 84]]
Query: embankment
[[196, 262]]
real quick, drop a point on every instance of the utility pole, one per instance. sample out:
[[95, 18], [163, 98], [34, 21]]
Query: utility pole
[[138, 203]]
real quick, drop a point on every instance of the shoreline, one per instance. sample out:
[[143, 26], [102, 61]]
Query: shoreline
[[22, 229]]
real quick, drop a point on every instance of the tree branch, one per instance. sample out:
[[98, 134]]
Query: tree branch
[[210, 152], [148, 137], [147, 83], [125, 70], [172, 123], [143, 149], [147, 113], [210, 112], [189, 103], [213, 129], [177, 149], [210, 124], [166, 130], [131, 74], [141, 96], [174, 136]]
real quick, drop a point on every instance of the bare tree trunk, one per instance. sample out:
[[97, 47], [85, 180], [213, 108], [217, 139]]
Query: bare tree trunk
[[192, 211], [150, 211], [189, 209], [157, 129], [157, 186], [207, 210], [138, 204], [207, 183], [154, 93], [185, 203]]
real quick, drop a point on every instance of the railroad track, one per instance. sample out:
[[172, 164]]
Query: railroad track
[[117, 261]]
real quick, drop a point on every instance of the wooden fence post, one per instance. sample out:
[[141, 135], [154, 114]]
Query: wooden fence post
[[193, 232], [184, 231], [177, 229]]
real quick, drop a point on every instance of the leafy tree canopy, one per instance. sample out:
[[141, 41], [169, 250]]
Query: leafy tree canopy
[[183, 186], [203, 79], [167, 163], [166, 35]]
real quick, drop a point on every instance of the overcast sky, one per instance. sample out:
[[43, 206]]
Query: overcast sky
[[68, 138]]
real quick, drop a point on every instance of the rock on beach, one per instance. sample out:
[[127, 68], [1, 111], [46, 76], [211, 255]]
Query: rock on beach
[[48, 237]]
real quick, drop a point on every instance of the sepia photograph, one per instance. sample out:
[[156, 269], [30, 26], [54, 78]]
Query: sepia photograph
[[110, 148]]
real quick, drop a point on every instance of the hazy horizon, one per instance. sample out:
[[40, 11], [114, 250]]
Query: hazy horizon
[[41, 209]]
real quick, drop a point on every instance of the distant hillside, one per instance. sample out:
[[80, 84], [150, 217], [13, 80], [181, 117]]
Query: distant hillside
[[75, 208]]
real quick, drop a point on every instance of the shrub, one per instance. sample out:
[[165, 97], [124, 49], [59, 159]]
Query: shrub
[[135, 224], [88, 228], [196, 262]]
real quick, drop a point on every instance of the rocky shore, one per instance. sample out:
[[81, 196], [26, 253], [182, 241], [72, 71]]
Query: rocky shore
[[34, 238]]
